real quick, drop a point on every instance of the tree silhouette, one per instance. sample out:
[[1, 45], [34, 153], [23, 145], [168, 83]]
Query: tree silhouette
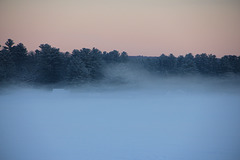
[[48, 65], [9, 44]]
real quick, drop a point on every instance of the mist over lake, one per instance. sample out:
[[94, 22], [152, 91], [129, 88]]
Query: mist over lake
[[168, 119]]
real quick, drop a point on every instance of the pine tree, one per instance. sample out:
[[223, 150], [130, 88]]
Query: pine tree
[[50, 63], [76, 69]]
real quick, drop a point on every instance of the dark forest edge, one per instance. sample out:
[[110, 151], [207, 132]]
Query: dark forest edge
[[49, 66]]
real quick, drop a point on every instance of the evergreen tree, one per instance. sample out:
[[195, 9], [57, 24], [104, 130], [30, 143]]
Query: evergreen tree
[[95, 64], [76, 70], [163, 64], [9, 45], [7, 66], [189, 66], [124, 57], [180, 65], [49, 64], [112, 57], [19, 57]]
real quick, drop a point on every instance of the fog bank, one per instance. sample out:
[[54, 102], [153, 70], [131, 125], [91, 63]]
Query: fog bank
[[164, 119]]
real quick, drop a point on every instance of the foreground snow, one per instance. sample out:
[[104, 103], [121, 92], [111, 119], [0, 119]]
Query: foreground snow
[[192, 123]]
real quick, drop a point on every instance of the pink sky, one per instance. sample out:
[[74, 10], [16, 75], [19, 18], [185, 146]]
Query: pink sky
[[139, 27]]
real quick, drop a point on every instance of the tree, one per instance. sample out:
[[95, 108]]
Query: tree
[[189, 66], [180, 65], [95, 64], [9, 44], [124, 57], [76, 69], [228, 64], [112, 57], [172, 62], [162, 64], [213, 65], [166, 64], [7, 66], [49, 64], [19, 56]]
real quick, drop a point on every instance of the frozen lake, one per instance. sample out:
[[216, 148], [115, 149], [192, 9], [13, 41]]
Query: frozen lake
[[191, 122]]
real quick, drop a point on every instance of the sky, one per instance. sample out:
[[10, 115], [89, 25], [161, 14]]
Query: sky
[[139, 27]]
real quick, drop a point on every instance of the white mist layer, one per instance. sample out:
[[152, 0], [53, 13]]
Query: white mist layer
[[173, 121]]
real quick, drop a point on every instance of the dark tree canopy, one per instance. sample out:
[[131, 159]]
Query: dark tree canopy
[[48, 65]]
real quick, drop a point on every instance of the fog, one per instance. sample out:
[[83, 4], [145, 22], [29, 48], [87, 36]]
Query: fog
[[138, 119]]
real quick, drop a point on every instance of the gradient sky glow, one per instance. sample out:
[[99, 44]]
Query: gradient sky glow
[[140, 27]]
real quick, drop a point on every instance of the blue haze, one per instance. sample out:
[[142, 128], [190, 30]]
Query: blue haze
[[170, 120]]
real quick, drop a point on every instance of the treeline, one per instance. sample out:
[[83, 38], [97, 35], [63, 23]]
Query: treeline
[[48, 65], [200, 64]]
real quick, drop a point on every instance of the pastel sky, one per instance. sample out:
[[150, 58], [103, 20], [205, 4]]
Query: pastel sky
[[139, 27]]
